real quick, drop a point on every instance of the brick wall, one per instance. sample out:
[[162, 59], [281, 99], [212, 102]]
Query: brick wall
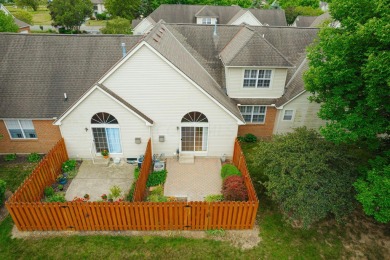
[[48, 135], [260, 130]]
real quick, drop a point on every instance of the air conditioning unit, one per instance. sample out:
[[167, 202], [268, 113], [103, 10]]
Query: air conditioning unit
[[158, 166]]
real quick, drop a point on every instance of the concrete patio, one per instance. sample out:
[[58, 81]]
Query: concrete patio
[[194, 181], [97, 179]]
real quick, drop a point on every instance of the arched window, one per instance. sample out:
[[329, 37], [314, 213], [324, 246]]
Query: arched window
[[194, 132], [195, 117], [106, 133], [103, 118]]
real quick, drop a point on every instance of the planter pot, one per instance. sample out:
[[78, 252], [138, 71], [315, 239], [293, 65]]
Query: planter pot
[[110, 200], [106, 156], [63, 181], [65, 174]]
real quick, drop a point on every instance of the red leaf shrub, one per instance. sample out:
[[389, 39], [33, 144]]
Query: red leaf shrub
[[234, 189]]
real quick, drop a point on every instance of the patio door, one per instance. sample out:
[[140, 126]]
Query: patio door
[[107, 139], [194, 139]]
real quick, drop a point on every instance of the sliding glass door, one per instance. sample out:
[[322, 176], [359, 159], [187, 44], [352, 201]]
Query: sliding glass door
[[107, 139], [194, 139]]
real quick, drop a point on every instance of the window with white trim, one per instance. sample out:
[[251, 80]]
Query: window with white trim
[[206, 20], [21, 129], [288, 115], [257, 78], [253, 114]]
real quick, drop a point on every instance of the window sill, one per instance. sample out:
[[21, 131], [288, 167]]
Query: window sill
[[24, 140]]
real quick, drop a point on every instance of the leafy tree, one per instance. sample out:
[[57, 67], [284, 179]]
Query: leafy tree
[[128, 9], [293, 12], [70, 13], [294, 3], [349, 72], [374, 189], [117, 26], [34, 4], [308, 176], [7, 23], [23, 16]]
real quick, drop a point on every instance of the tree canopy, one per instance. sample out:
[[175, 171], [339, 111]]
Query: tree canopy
[[34, 4], [7, 23], [117, 26], [70, 13], [308, 176], [128, 9]]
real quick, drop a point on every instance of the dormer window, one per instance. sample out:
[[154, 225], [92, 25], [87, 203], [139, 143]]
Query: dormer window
[[206, 20], [257, 78]]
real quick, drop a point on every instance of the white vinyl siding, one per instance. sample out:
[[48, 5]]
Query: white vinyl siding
[[253, 114], [236, 89], [247, 18], [166, 98], [79, 140], [21, 129], [304, 114]]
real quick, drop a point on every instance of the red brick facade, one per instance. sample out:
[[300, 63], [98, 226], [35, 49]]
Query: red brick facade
[[47, 133], [260, 130]]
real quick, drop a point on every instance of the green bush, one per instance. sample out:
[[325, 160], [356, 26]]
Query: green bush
[[130, 195], [10, 157], [49, 191], [159, 190], [156, 178], [156, 198], [214, 198], [102, 16], [229, 170], [56, 198], [3, 186], [136, 173], [69, 165], [250, 138], [34, 157], [115, 191]]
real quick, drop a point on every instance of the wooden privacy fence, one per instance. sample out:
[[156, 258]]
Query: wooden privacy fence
[[30, 214], [140, 186], [240, 162], [133, 215], [43, 175]]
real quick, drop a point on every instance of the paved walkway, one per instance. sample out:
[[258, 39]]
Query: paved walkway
[[194, 181], [96, 180]]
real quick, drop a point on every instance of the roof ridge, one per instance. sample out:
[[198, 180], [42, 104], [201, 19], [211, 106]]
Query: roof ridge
[[281, 54], [236, 35]]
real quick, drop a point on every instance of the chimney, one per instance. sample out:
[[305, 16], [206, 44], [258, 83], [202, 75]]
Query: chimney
[[123, 49]]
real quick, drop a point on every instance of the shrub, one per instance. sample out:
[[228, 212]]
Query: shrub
[[69, 165], [10, 157], [3, 186], [115, 191], [234, 189], [156, 178], [102, 16], [49, 191], [214, 198], [34, 157], [229, 170], [56, 198], [156, 198], [130, 195], [250, 138], [159, 190], [136, 173]]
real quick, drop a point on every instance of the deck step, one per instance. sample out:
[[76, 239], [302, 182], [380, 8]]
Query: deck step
[[186, 159], [101, 161]]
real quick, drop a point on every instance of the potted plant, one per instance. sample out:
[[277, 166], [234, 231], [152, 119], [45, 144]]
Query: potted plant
[[110, 199], [105, 153], [61, 179], [86, 196], [104, 197]]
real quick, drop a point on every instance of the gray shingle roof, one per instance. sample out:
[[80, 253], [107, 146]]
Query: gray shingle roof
[[36, 70], [20, 23], [320, 19], [165, 42], [248, 48], [188, 13], [304, 21]]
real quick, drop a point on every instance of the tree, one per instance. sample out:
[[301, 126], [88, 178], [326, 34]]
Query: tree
[[307, 176], [374, 190], [293, 12], [349, 72], [70, 13], [7, 23], [117, 26], [34, 4], [23, 16], [294, 3], [128, 9]]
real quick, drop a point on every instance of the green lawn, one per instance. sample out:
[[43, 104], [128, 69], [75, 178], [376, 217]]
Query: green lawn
[[14, 173], [279, 239], [40, 17], [95, 23]]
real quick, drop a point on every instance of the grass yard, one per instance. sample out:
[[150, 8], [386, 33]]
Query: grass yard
[[358, 238], [95, 23], [14, 172], [40, 17]]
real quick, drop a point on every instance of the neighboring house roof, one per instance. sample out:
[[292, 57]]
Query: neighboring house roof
[[320, 19], [248, 48], [304, 21], [97, 2], [36, 70], [188, 14]]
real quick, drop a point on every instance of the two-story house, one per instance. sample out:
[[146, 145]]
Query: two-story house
[[191, 88]]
